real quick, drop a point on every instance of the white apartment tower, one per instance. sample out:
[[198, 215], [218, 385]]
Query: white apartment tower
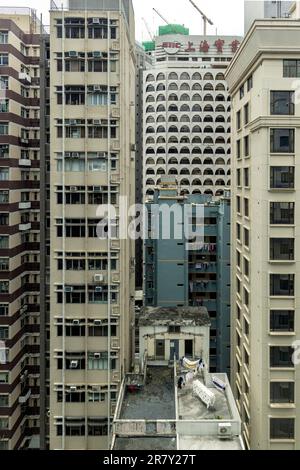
[[92, 64], [263, 79], [187, 112]]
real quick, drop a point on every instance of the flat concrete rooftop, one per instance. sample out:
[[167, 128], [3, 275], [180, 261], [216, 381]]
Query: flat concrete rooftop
[[208, 443], [190, 407], [155, 401], [182, 316], [145, 443]]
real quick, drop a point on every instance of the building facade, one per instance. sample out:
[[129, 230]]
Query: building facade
[[92, 127], [187, 112], [20, 227], [177, 275], [262, 80]]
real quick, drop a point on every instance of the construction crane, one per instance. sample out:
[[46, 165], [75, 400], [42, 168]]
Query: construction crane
[[148, 29], [160, 15], [205, 18]]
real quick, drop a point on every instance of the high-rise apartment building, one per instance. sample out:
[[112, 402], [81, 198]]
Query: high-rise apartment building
[[262, 81], [187, 112], [20, 227], [259, 9], [177, 275], [92, 66]]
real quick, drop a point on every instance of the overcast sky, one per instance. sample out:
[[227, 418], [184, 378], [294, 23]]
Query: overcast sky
[[227, 15]]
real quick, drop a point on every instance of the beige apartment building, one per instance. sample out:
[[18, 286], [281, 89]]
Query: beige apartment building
[[92, 68], [19, 228], [263, 79]]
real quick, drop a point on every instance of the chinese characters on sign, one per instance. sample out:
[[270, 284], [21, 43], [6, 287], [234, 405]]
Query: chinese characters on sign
[[219, 44]]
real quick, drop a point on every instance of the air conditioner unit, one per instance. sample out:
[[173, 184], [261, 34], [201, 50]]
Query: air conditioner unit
[[224, 430], [98, 289], [96, 20], [98, 278], [73, 389], [74, 364], [97, 88], [68, 154], [75, 154], [76, 322], [72, 122], [97, 356], [97, 122], [97, 322], [68, 289], [73, 54], [133, 147], [73, 188], [97, 54]]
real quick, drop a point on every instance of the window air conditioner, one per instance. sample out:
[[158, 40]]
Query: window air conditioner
[[73, 389], [73, 54], [98, 289], [75, 155], [97, 54], [96, 20], [97, 322], [224, 430], [76, 322], [68, 289], [97, 122], [68, 154], [73, 188], [97, 88], [97, 356], [98, 278], [74, 364]]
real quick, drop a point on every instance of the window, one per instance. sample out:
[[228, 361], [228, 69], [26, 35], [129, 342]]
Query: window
[[4, 377], [96, 397], [99, 361], [4, 423], [4, 310], [238, 231], [282, 249], [281, 357], [246, 146], [282, 102], [102, 331], [242, 92], [246, 237], [4, 150], [4, 106], [3, 37], [3, 82], [282, 321], [4, 401], [282, 392], [238, 119], [3, 59], [238, 204], [291, 68], [246, 267], [97, 427], [250, 83], [74, 427], [246, 207], [282, 428], [282, 140], [282, 285], [238, 177], [3, 128], [174, 329], [4, 287], [246, 113], [282, 213], [246, 178], [3, 332], [238, 149], [282, 177]]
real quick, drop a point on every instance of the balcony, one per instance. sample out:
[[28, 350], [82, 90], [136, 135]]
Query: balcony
[[24, 162], [24, 227], [25, 205], [24, 78], [24, 397]]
